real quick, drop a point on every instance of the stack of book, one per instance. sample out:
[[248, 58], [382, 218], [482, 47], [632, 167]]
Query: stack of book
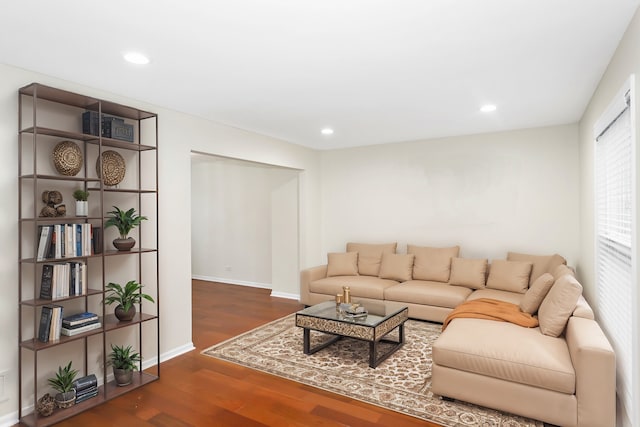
[[50, 323], [86, 388], [112, 127], [79, 323]]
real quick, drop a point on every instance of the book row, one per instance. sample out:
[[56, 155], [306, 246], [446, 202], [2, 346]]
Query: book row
[[64, 279], [68, 241], [50, 323]]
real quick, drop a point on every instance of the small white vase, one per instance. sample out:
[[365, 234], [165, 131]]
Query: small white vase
[[82, 208]]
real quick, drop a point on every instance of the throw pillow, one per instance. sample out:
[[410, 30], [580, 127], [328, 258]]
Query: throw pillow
[[470, 273], [558, 305], [509, 275], [396, 267], [432, 263], [536, 293], [541, 263], [370, 256], [342, 264]]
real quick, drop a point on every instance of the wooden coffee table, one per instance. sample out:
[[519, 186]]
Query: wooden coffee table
[[382, 318]]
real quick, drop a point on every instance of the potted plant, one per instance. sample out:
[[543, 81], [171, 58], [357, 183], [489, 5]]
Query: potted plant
[[127, 297], [63, 384], [124, 361], [124, 221], [82, 205]]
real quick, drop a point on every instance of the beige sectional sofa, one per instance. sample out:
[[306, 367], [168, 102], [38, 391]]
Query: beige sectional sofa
[[561, 372]]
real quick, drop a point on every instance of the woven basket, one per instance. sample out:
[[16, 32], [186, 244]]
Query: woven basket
[[67, 158], [66, 400], [113, 168], [46, 405]]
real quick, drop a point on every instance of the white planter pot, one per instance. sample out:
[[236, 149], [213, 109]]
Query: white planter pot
[[82, 208]]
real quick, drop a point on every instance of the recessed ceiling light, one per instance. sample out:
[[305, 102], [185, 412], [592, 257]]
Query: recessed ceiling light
[[136, 58], [327, 131], [488, 108]]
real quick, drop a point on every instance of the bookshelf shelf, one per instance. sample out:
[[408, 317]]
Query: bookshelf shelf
[[60, 178], [92, 139], [53, 260], [73, 219], [47, 116], [40, 302], [34, 344], [139, 379]]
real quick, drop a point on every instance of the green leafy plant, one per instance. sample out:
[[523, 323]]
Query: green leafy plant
[[126, 296], [81, 195], [63, 381], [124, 358], [124, 221]]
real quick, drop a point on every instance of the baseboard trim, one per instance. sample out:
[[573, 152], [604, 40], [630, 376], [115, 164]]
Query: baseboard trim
[[285, 295], [9, 419], [232, 281], [186, 348], [251, 284], [175, 352]]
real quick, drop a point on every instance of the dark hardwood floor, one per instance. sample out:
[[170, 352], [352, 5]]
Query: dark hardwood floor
[[196, 390]]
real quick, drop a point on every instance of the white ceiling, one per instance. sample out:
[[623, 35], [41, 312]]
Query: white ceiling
[[376, 71]]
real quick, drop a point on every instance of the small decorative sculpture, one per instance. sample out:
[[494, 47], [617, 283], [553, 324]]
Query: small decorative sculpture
[[54, 208]]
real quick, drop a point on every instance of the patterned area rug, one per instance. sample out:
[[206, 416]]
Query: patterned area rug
[[402, 383]]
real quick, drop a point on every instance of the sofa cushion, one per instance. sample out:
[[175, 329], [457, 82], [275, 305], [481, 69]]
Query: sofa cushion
[[507, 296], [558, 305], [509, 275], [536, 293], [370, 256], [360, 286], [342, 264], [396, 267], [432, 263], [541, 263], [583, 309], [468, 272], [508, 352], [427, 293], [561, 270]]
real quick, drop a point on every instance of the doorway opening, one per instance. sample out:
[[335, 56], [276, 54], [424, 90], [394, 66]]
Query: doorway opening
[[245, 223]]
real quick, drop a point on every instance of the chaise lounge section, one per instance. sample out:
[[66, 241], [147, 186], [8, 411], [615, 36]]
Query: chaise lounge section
[[561, 372]]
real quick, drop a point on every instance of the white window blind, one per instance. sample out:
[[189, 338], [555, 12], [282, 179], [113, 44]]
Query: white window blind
[[615, 240]]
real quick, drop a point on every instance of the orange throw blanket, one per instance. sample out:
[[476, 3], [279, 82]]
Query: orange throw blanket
[[491, 309]]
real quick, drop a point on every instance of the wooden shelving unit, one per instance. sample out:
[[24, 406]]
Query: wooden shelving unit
[[47, 116]]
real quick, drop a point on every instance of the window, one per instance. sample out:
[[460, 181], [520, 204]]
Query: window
[[615, 219]]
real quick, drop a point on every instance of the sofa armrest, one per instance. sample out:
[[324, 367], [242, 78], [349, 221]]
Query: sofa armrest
[[307, 276], [595, 366]]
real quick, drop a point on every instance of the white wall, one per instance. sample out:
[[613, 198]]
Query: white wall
[[231, 220], [179, 135], [490, 193], [245, 223], [626, 61], [285, 226]]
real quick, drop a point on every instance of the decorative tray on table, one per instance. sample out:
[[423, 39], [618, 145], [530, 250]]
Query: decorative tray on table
[[355, 311]]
